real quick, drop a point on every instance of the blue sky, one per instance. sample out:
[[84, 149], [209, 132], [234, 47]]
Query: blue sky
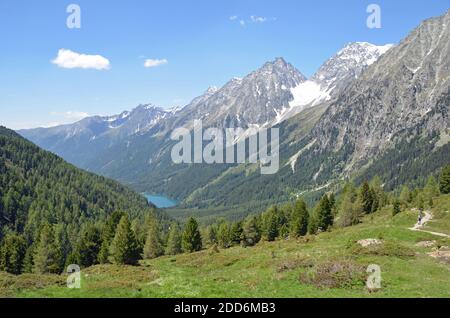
[[202, 46]]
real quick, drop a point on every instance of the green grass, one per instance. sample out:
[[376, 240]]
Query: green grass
[[441, 215], [273, 269]]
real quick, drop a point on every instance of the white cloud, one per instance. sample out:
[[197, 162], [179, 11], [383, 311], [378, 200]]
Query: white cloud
[[69, 59], [256, 19], [154, 63]]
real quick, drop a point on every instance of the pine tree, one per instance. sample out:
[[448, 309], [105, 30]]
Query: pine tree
[[324, 214], [396, 208], [432, 188], [191, 240], [250, 232], [299, 219], [405, 196], [124, 247], [174, 240], [109, 231], [61, 247], [153, 246], [420, 202], [379, 196], [366, 197], [350, 210], [12, 253], [444, 182], [88, 247], [236, 233], [45, 257], [224, 235], [271, 224], [28, 262]]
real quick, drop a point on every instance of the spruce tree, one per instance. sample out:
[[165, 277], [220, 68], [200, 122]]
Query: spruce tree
[[236, 233], [432, 188], [299, 219], [366, 197], [124, 248], [396, 208], [224, 235], [211, 235], [250, 232], [45, 257], [88, 247], [444, 182], [12, 253], [405, 196], [191, 240], [271, 224], [324, 214], [153, 246], [108, 233], [174, 240]]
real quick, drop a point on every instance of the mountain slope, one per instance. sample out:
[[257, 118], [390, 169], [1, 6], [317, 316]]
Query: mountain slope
[[393, 121], [38, 187], [403, 96], [82, 142], [272, 269]]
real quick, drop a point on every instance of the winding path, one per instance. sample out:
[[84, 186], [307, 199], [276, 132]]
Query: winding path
[[419, 226]]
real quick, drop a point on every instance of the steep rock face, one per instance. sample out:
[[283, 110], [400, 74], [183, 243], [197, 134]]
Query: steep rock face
[[333, 76], [397, 98], [254, 100], [83, 142]]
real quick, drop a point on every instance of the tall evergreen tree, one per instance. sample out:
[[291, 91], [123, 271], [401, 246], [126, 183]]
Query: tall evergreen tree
[[153, 246], [88, 247], [109, 231], [271, 224], [444, 182], [432, 188], [211, 235], [236, 233], [46, 254], [299, 219], [324, 214], [12, 253], [124, 247], [396, 207], [250, 232], [405, 196], [366, 197], [191, 240], [174, 240], [224, 235]]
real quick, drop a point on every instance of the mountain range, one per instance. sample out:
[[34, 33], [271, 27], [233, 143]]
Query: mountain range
[[369, 110]]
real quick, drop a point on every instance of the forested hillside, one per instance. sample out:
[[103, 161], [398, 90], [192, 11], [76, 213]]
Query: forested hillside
[[46, 201]]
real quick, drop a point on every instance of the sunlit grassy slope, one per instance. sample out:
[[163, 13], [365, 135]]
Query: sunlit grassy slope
[[274, 269]]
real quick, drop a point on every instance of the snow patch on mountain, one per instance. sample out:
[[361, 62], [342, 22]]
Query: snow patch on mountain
[[309, 92]]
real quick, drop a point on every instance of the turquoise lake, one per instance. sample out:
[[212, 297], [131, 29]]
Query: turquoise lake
[[161, 201]]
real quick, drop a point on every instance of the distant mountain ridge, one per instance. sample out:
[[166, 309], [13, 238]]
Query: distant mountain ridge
[[368, 110], [265, 97]]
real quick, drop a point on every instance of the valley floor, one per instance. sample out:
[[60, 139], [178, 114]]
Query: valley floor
[[328, 265]]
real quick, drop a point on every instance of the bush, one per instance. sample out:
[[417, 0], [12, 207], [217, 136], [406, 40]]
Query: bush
[[338, 274], [388, 248]]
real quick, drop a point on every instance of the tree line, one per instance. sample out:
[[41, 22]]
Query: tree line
[[53, 215]]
